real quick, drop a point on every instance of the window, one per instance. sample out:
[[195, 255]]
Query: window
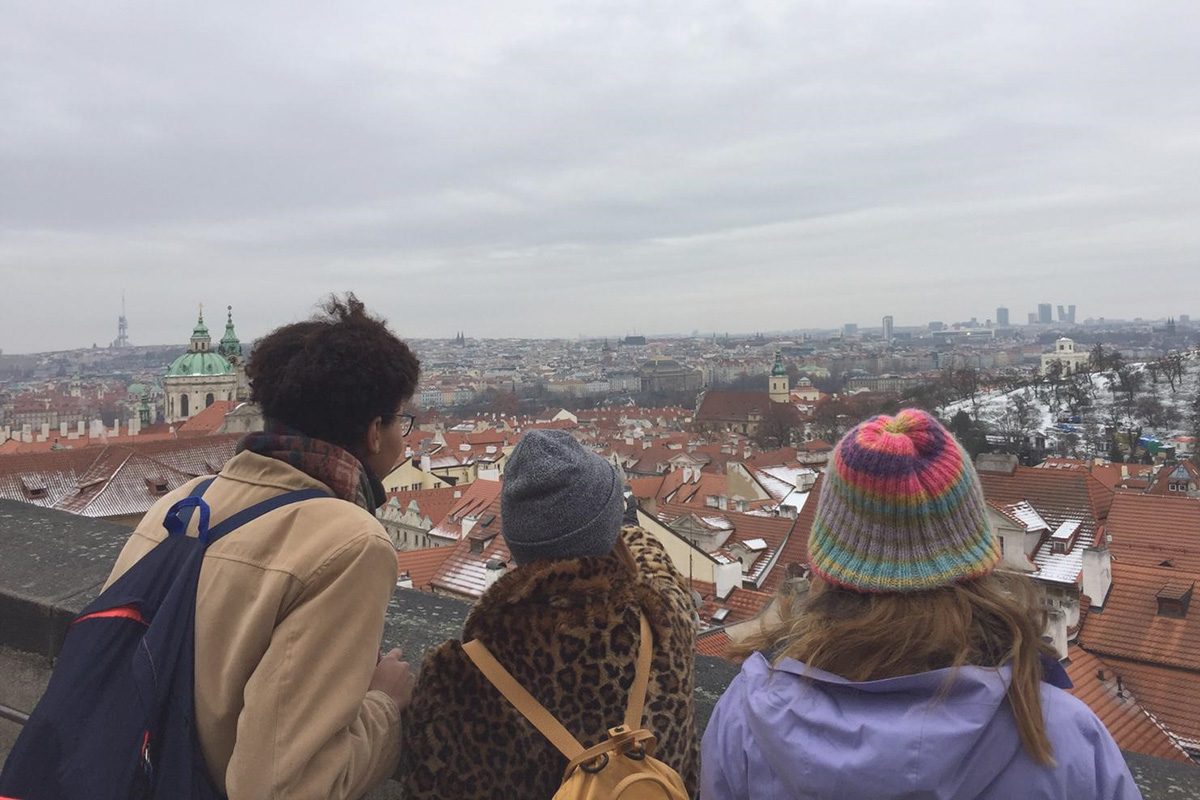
[[209, 399], [183, 406]]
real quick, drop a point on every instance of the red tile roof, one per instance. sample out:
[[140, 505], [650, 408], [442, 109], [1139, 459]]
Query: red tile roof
[[1130, 626], [728, 406], [713, 644], [432, 503], [209, 420], [1171, 695], [480, 499], [113, 481], [1057, 495], [464, 573], [422, 565], [1132, 726], [1183, 472], [1151, 529]]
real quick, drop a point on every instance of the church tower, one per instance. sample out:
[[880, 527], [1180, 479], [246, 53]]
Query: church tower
[[779, 386], [231, 349]]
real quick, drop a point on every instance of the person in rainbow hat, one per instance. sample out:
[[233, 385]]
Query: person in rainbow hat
[[911, 669]]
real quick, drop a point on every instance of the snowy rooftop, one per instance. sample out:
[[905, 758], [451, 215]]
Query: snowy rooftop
[[1028, 516], [1066, 530], [1060, 567]]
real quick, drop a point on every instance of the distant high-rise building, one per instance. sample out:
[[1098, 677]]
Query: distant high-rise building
[[887, 328], [1071, 314], [1001, 317], [1044, 314], [850, 329], [1033, 318], [1185, 319], [935, 326]]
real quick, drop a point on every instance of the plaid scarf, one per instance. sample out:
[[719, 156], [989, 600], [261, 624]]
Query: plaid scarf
[[333, 466]]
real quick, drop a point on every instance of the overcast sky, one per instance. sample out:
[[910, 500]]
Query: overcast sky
[[555, 169]]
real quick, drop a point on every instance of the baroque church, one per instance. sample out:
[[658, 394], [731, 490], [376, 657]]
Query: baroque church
[[204, 375]]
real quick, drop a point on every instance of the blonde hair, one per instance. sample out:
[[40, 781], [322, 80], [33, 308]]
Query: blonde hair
[[986, 622]]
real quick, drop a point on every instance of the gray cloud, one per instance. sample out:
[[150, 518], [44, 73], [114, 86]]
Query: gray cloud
[[554, 169]]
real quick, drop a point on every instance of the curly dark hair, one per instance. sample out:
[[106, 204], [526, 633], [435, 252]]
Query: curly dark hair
[[332, 375]]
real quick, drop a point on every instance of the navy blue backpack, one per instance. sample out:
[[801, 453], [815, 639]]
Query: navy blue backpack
[[117, 719]]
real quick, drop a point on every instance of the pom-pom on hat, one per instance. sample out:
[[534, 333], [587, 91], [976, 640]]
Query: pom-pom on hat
[[901, 510]]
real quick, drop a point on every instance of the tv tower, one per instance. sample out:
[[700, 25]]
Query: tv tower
[[122, 339]]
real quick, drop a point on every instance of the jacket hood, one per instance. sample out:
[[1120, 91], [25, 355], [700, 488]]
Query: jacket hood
[[940, 734]]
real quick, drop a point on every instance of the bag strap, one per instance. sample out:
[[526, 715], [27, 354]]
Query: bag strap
[[247, 515], [641, 677], [536, 713], [522, 700], [178, 517]]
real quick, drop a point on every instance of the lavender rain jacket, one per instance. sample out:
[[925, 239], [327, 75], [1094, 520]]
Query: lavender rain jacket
[[775, 734]]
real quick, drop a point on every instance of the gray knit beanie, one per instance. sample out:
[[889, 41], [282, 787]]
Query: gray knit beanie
[[559, 500]]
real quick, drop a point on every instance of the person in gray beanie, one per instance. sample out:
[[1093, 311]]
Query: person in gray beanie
[[559, 500], [566, 623]]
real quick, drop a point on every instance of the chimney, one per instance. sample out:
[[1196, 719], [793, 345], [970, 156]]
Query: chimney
[[45, 431], [80, 431], [1097, 574], [404, 581], [493, 571], [62, 429], [998, 463], [1124, 472], [1056, 631]]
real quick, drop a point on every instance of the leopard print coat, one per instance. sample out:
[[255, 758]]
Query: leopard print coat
[[568, 631]]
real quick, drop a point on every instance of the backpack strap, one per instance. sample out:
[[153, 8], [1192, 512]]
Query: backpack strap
[[641, 677], [536, 713], [522, 700], [247, 515], [179, 516]]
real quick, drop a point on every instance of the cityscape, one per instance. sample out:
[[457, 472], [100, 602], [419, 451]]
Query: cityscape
[[1084, 432], [845, 357]]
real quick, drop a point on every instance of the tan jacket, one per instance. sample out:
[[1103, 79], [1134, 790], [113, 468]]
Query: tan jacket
[[289, 615]]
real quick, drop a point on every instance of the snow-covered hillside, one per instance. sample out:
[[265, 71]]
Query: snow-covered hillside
[[1073, 413]]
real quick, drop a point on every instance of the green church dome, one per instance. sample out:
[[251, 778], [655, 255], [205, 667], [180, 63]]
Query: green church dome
[[205, 363]]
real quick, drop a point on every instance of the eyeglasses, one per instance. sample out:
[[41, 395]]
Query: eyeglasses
[[406, 422]]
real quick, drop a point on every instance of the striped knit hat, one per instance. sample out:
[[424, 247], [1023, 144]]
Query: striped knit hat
[[901, 510]]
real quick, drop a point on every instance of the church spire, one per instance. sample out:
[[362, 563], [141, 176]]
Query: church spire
[[201, 341], [230, 346]]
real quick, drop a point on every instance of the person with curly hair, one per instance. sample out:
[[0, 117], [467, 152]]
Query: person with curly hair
[[289, 698], [911, 669]]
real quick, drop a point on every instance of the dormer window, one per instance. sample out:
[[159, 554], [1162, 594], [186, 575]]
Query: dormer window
[[1062, 541], [33, 487], [1174, 599], [156, 484]]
